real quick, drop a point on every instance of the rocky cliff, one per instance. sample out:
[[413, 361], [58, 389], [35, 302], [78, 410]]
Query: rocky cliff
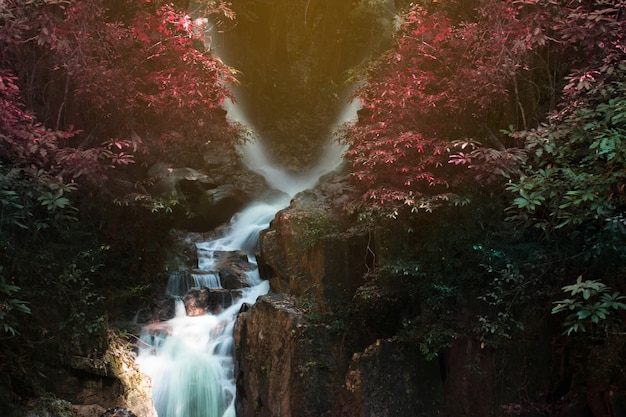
[[335, 338]]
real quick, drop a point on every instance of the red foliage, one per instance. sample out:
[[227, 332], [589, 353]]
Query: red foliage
[[137, 78], [22, 141], [153, 75], [440, 83], [142, 76], [28, 145]]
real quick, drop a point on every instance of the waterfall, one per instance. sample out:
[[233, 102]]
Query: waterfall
[[190, 359]]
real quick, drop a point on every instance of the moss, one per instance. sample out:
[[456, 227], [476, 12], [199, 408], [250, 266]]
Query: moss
[[49, 406], [310, 228]]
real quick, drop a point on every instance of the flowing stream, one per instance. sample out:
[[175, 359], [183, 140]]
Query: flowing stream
[[190, 359]]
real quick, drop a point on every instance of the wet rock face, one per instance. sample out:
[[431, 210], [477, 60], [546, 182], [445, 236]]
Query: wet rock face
[[267, 380], [289, 366], [200, 301], [232, 267], [135, 394], [290, 362], [282, 369], [306, 251], [89, 386], [196, 301]]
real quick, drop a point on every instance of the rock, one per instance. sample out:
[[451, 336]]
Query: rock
[[224, 165], [196, 301], [266, 344], [233, 278], [233, 267], [282, 368], [91, 410], [200, 301], [236, 258], [110, 380], [309, 253], [172, 181], [118, 412], [163, 310], [219, 299], [136, 388], [203, 203], [392, 379], [182, 252], [47, 407]]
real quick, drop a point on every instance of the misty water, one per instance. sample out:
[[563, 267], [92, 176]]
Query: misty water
[[190, 359]]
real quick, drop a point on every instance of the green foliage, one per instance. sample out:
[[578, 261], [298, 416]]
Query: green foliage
[[592, 304], [32, 202], [10, 305], [401, 300], [310, 227], [576, 168], [506, 290]]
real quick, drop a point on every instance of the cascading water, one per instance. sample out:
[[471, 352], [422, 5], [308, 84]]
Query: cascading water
[[190, 359]]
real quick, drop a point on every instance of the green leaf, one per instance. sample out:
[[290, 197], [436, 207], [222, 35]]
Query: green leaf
[[521, 202]]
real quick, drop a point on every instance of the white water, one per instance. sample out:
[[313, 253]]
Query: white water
[[190, 359]]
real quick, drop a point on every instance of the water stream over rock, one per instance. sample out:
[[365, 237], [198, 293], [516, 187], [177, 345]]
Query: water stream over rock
[[190, 357]]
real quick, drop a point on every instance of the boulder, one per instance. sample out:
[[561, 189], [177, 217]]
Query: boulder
[[232, 278], [162, 310], [200, 301], [135, 391], [309, 252], [47, 406], [203, 203], [182, 252], [196, 301], [173, 181], [118, 412], [89, 385], [224, 166], [271, 362], [233, 267], [219, 299], [236, 258]]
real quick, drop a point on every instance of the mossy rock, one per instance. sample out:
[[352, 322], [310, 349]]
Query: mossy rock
[[48, 406]]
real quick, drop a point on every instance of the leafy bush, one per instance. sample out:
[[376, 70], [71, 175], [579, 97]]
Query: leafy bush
[[9, 306], [575, 171], [592, 304]]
